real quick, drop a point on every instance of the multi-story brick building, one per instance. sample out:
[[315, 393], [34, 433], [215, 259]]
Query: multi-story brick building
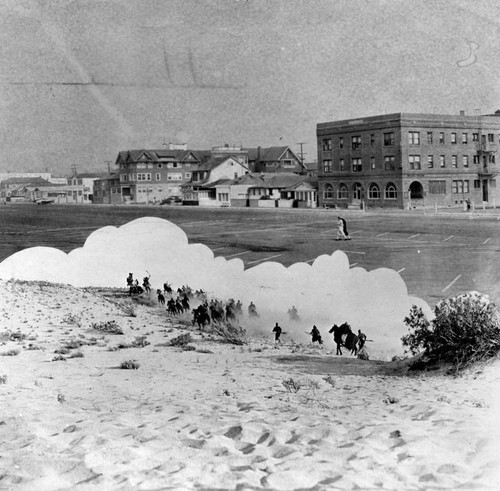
[[409, 160]]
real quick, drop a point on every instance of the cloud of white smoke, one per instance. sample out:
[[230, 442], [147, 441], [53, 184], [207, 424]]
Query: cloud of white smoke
[[325, 293]]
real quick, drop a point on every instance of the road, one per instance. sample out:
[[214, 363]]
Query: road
[[437, 255]]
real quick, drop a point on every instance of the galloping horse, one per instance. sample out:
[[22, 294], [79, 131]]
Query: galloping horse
[[343, 336]]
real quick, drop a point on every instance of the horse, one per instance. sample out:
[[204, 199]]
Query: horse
[[343, 336], [161, 297], [135, 290], [200, 316]]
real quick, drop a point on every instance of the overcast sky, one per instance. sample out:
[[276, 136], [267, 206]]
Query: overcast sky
[[82, 80]]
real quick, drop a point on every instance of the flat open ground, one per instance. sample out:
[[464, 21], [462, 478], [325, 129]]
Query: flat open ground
[[438, 255]]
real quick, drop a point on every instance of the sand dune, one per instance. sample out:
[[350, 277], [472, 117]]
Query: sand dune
[[220, 416]]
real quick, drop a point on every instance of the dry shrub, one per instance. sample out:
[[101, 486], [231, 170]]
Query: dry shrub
[[71, 319], [11, 352], [76, 354], [129, 309], [129, 365], [465, 330], [3, 379], [291, 385], [229, 333], [109, 327], [181, 340]]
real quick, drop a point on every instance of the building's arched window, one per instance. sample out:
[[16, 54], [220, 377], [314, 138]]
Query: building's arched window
[[390, 191], [342, 192], [328, 192], [373, 191]]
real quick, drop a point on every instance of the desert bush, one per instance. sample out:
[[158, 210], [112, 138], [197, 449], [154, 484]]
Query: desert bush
[[181, 340], [11, 352], [76, 354], [129, 365], [71, 319], [110, 327], [465, 330], [291, 385], [129, 309], [330, 380], [3, 379], [59, 358], [229, 333]]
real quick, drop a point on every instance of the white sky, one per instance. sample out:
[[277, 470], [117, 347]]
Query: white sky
[[82, 80]]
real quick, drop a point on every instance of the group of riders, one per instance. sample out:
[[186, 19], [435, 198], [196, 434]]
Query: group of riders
[[342, 336], [218, 311]]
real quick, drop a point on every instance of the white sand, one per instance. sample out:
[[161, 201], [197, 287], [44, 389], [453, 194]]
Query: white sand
[[224, 419]]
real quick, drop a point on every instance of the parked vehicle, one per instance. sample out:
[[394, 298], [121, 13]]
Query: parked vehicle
[[172, 200]]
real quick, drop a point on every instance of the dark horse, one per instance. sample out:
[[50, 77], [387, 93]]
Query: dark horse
[[343, 336]]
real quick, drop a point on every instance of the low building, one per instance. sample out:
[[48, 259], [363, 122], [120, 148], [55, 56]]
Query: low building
[[405, 160], [107, 190]]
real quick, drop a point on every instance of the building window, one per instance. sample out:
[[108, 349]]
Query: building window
[[372, 163], [389, 162], [414, 162], [491, 158], [477, 184], [327, 144], [442, 162], [158, 176], [454, 138], [465, 138], [373, 192], [187, 175], [372, 139], [475, 137], [174, 176], [288, 164], [493, 183], [460, 187], [454, 161], [355, 142], [159, 165], [441, 137], [123, 177], [414, 137], [388, 139], [390, 191], [341, 142], [437, 187], [328, 192], [475, 159], [491, 138], [465, 160], [327, 166], [342, 164], [430, 161], [342, 192], [357, 165], [429, 137]]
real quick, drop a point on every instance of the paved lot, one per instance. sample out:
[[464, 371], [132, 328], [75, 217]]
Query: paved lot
[[437, 255]]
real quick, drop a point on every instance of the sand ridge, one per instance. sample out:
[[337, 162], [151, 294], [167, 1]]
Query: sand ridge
[[220, 416]]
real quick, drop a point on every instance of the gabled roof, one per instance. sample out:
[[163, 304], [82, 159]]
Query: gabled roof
[[281, 181], [270, 154], [219, 182]]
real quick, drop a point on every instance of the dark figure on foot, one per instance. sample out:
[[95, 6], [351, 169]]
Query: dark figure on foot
[[277, 333], [316, 336]]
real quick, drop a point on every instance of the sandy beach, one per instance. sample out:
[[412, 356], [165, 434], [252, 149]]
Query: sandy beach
[[221, 416]]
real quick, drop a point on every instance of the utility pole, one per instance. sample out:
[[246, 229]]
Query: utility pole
[[108, 163], [302, 153]]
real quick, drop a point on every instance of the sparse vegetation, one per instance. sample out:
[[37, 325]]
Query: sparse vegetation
[[76, 354], [59, 358], [291, 385], [11, 352], [71, 319], [465, 330], [229, 333], [181, 340], [129, 309], [129, 365], [329, 380], [109, 327], [3, 379]]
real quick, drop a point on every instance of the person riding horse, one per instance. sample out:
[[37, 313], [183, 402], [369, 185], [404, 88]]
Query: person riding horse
[[343, 336]]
